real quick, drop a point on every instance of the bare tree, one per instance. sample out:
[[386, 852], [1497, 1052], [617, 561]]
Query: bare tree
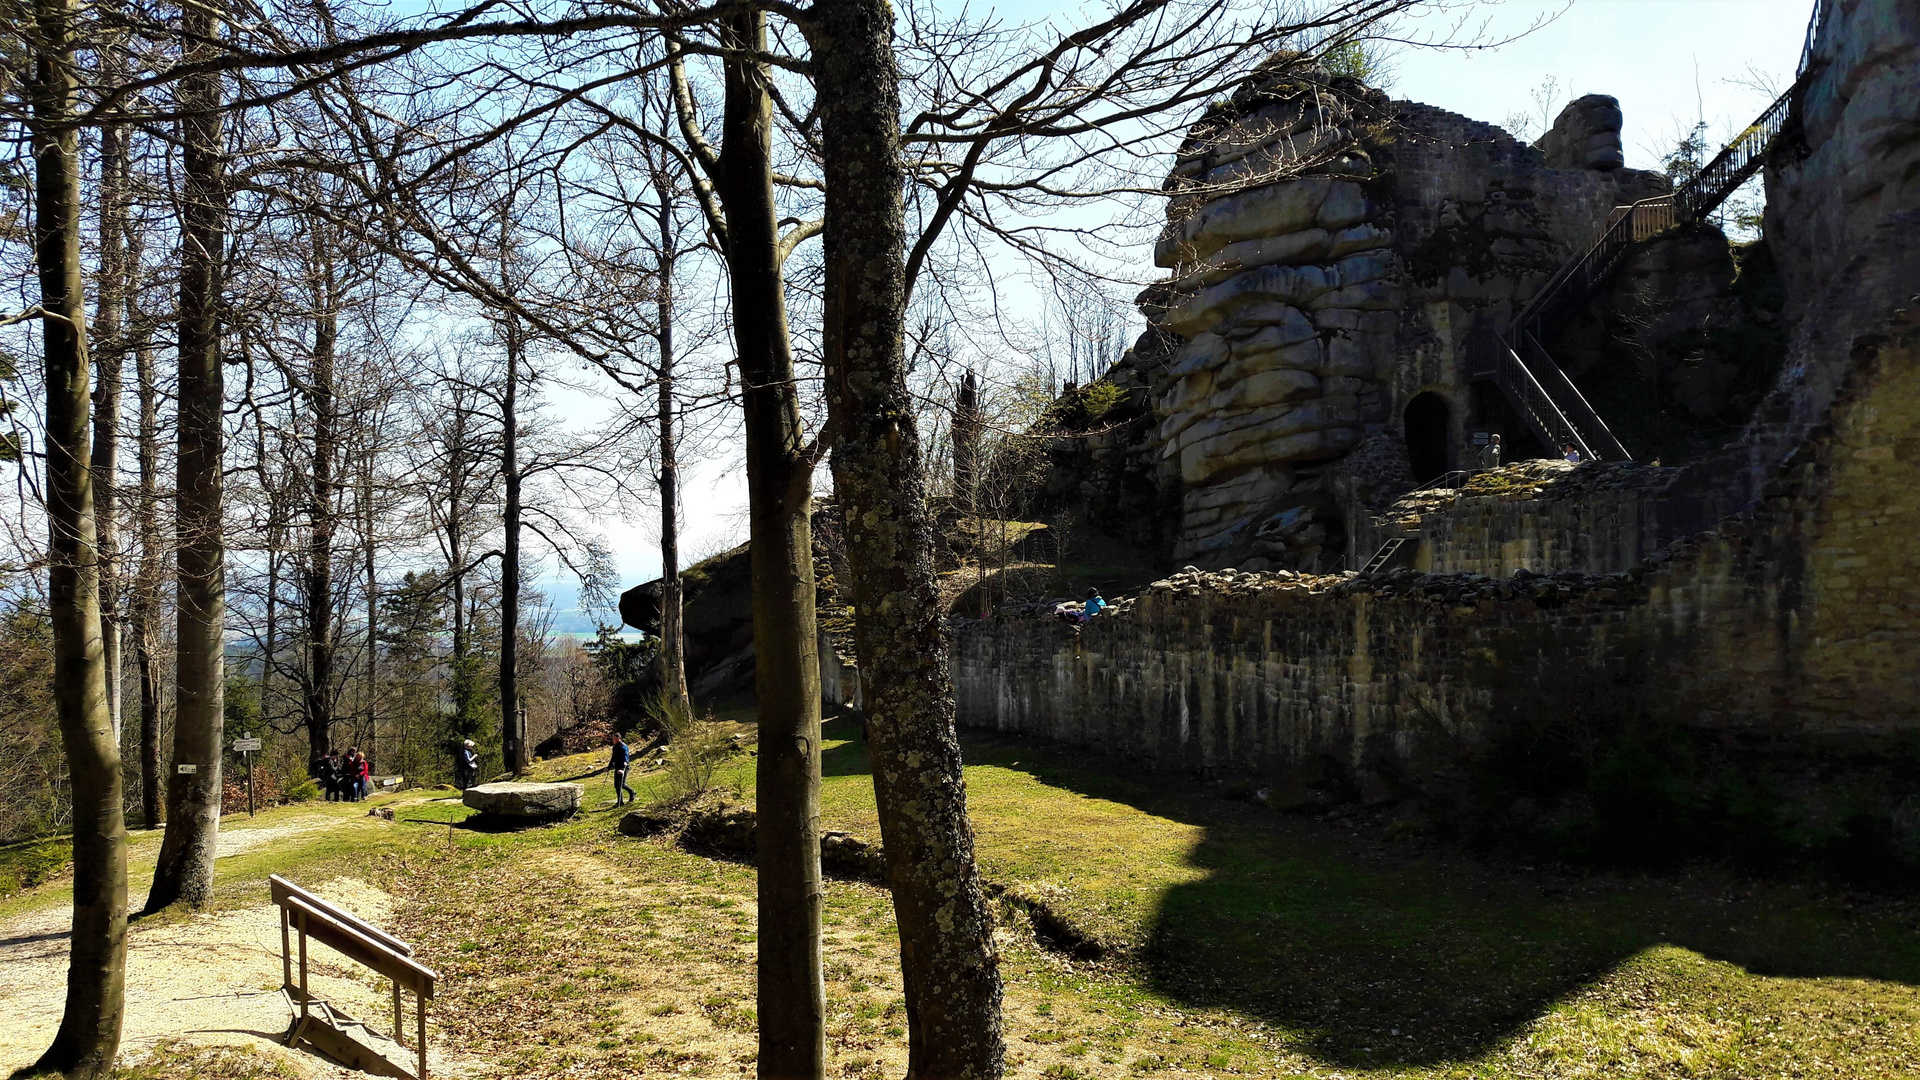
[[185, 868], [780, 462], [89, 1031]]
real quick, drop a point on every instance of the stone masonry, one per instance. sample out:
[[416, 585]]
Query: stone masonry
[[1766, 594]]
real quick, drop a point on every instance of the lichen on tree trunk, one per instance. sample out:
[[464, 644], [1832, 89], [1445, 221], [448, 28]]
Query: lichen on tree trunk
[[950, 967]]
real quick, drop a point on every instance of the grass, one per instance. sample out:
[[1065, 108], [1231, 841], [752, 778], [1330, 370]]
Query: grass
[[28, 863], [1242, 943]]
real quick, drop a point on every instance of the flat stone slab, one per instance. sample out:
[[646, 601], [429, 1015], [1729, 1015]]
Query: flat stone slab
[[524, 800]]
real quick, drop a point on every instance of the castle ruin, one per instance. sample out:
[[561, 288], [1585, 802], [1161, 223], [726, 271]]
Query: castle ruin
[[1356, 289]]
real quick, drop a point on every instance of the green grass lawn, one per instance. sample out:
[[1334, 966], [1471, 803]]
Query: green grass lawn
[[1241, 942]]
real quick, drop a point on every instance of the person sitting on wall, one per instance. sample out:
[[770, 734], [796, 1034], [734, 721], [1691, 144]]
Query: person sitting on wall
[[1572, 454], [1490, 453], [1094, 605]]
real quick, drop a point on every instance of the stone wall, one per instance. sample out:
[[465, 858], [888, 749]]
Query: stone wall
[[1797, 621], [1542, 516]]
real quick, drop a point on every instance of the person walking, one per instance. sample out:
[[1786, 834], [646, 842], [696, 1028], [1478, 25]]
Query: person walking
[[620, 761]]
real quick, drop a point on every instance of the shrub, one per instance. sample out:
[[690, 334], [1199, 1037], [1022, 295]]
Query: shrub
[[305, 791], [695, 748]]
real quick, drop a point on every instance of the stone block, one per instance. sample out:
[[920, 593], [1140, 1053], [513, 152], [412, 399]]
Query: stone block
[[644, 823], [524, 800]]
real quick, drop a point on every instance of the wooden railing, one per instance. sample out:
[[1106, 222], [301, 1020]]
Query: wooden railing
[[357, 940]]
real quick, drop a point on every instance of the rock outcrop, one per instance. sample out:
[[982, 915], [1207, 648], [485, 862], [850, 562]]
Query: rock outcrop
[[1328, 253], [1586, 135], [524, 801], [1855, 163]]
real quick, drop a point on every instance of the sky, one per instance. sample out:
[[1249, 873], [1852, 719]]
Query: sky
[[1669, 62]]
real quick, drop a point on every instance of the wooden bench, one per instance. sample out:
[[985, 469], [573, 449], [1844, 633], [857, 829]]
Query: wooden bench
[[357, 940]]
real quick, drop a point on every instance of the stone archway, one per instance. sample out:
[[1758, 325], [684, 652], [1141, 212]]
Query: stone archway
[[1429, 433]]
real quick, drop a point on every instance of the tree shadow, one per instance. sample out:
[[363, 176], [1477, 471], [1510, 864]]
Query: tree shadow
[[849, 758], [1381, 954]]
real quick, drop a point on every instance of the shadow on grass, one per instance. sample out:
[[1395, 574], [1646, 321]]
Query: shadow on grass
[[1381, 956], [850, 757]]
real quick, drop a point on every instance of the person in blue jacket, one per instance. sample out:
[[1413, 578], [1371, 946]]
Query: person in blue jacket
[[620, 761]]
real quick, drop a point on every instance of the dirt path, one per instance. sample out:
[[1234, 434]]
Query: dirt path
[[209, 979]]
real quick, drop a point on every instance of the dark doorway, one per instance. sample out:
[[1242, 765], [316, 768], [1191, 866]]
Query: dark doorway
[[1426, 426]]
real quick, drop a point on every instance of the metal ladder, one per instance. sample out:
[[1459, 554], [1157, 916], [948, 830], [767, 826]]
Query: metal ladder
[[1385, 554]]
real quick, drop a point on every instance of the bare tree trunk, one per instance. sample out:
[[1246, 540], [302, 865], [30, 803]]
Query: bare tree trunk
[[146, 598], [792, 989], [317, 694], [373, 595], [461, 674], [673, 646], [513, 749], [185, 867], [950, 968], [96, 975], [111, 335]]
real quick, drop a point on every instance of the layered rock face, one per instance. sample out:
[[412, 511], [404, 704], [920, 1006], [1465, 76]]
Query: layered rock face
[[1586, 135], [1843, 208], [1329, 251], [1857, 163]]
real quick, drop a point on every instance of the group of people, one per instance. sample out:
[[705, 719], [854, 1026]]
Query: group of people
[[1490, 453], [344, 777]]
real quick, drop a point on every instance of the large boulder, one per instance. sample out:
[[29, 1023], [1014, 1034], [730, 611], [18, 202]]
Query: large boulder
[[510, 800], [1586, 135]]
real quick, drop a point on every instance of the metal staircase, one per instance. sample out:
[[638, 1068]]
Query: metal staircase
[[1517, 360]]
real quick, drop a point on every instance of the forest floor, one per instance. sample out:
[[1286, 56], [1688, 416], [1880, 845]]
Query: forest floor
[[1236, 942]]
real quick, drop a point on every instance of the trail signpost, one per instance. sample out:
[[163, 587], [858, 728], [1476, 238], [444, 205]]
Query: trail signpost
[[245, 748]]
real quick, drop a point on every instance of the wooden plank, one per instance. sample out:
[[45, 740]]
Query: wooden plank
[[351, 943], [282, 888]]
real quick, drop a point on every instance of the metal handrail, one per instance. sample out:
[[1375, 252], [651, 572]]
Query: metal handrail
[[1537, 407], [1705, 190], [1547, 399], [1820, 10], [1576, 280], [1596, 439]]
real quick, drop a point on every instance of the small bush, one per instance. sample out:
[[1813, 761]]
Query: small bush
[[305, 791], [695, 748]]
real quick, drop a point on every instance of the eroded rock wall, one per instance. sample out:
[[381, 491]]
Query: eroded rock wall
[[1852, 164], [1329, 251]]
